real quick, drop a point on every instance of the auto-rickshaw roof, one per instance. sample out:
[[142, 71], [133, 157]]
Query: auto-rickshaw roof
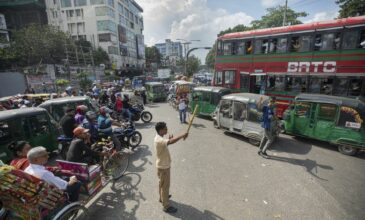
[[154, 83], [336, 100], [215, 89], [63, 100], [246, 97], [9, 114]]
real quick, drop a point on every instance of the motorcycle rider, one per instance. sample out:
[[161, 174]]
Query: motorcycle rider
[[126, 108], [80, 113], [91, 124], [105, 126]]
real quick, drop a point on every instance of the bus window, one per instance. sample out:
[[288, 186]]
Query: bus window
[[282, 45], [362, 39], [265, 46], [296, 84], [219, 48], [258, 46], [349, 40], [355, 87], [229, 77], [218, 78], [273, 45], [248, 47], [227, 48], [341, 85], [321, 85], [301, 44], [276, 83], [330, 41], [240, 48]]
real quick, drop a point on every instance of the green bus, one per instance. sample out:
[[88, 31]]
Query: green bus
[[337, 120], [207, 98]]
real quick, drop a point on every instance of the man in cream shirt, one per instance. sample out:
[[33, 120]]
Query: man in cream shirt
[[163, 163]]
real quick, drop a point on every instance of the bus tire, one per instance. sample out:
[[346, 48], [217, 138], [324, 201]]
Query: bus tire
[[347, 150]]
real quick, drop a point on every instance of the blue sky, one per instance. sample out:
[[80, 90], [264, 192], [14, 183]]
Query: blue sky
[[204, 19]]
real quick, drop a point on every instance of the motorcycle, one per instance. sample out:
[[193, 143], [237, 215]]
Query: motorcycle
[[64, 144], [139, 113], [128, 135]]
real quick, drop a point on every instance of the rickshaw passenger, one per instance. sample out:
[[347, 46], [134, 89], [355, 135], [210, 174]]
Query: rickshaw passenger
[[20, 150], [79, 150], [38, 157]]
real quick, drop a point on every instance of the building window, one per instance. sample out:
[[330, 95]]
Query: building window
[[79, 13], [106, 25], [120, 8], [113, 50], [111, 3], [80, 3], [81, 27], [104, 37], [70, 14], [131, 25], [97, 2], [104, 11], [65, 3]]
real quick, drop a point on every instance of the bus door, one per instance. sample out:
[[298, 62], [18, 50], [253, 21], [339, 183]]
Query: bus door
[[225, 114], [258, 83], [239, 115], [325, 122]]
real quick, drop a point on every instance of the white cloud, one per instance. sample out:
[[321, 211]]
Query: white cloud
[[187, 19], [271, 3], [323, 16]]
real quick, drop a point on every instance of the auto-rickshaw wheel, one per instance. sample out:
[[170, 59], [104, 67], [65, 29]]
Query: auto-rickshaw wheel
[[347, 150], [254, 141]]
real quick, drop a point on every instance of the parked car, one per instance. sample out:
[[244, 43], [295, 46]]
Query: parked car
[[241, 113], [337, 120], [30, 124]]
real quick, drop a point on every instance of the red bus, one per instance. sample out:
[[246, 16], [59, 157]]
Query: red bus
[[322, 57]]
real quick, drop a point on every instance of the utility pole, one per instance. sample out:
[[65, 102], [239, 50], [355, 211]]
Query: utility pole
[[286, 9]]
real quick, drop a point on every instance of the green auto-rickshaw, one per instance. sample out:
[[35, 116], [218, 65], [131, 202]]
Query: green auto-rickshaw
[[207, 98], [29, 124], [337, 120], [57, 107], [155, 91]]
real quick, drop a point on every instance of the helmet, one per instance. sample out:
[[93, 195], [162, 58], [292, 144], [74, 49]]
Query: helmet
[[69, 88], [81, 108], [103, 110], [90, 115]]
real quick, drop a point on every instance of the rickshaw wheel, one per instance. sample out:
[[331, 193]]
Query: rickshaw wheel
[[347, 150], [117, 165], [77, 212]]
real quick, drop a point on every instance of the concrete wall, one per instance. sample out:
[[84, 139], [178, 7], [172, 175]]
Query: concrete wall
[[11, 83]]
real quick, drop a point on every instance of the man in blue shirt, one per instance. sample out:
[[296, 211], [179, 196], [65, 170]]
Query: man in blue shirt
[[105, 126], [267, 139]]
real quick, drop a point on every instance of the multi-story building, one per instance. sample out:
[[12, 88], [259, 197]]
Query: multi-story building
[[114, 25], [171, 52], [4, 34]]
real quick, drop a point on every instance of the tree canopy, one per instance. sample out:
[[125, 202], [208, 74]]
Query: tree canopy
[[275, 16], [193, 64], [153, 55], [351, 8]]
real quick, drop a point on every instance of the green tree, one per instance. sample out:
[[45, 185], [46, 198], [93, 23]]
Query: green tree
[[153, 55], [61, 84], [275, 16], [210, 58], [351, 8], [192, 65], [84, 81], [100, 56], [237, 28]]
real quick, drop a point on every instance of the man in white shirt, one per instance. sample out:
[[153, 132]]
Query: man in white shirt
[[163, 163], [38, 157]]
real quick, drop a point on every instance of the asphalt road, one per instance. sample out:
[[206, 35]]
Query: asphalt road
[[216, 175]]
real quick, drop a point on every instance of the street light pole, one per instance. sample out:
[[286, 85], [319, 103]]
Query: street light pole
[[186, 48], [187, 56]]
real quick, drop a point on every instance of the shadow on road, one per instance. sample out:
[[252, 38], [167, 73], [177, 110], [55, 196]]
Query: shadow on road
[[187, 212], [122, 202], [310, 165], [292, 146], [198, 126], [139, 158]]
